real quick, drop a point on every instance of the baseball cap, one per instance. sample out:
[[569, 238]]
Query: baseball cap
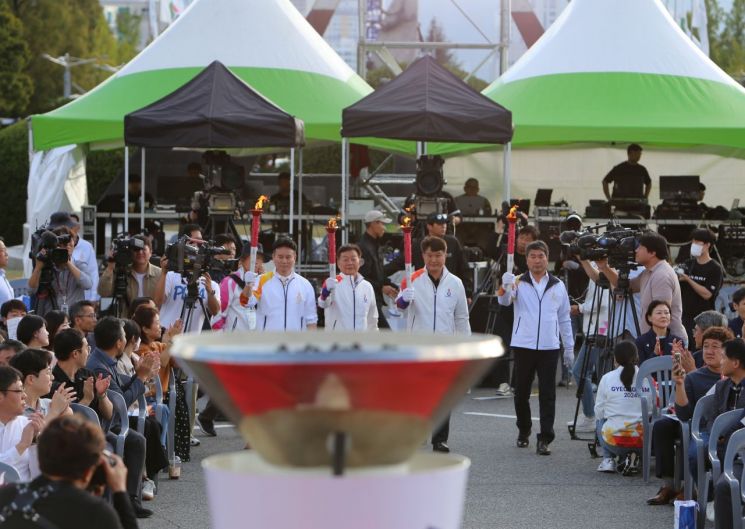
[[437, 218], [375, 215], [61, 218]]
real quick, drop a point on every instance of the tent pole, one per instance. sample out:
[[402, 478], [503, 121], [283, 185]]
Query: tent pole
[[418, 149], [292, 190], [142, 191], [300, 206], [126, 191], [344, 173], [424, 148], [506, 170]]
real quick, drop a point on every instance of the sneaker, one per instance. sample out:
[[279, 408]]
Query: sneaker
[[607, 465], [194, 441], [710, 511], [148, 489], [504, 390], [584, 424]]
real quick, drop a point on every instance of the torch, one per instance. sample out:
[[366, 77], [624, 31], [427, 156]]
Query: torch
[[255, 225], [331, 228], [511, 220], [407, 228]]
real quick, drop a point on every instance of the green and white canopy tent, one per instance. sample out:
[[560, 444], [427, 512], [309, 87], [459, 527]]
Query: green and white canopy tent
[[612, 72], [267, 43]]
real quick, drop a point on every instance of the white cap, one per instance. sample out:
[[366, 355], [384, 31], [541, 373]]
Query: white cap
[[375, 215]]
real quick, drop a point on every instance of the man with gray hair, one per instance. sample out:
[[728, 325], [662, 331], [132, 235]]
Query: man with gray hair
[[706, 319]]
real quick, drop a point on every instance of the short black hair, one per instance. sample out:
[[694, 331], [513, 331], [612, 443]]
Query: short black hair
[[14, 344], [703, 235], [69, 446], [537, 245], [145, 240], [28, 325], [634, 147], [131, 330], [12, 304], [67, 341], [351, 247], [76, 309], [433, 244], [142, 300], [31, 361], [224, 238], [108, 331], [54, 319], [738, 295], [285, 242], [187, 229], [735, 350], [653, 305], [655, 243], [9, 375], [529, 230]]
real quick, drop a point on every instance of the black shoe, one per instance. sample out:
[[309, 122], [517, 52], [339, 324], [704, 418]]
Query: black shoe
[[542, 448], [140, 511], [441, 447], [207, 426], [523, 442]]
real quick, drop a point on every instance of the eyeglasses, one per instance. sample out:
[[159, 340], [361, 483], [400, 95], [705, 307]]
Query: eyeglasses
[[91, 315], [13, 390]]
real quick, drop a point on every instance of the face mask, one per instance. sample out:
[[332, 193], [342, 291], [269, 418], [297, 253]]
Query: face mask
[[697, 250]]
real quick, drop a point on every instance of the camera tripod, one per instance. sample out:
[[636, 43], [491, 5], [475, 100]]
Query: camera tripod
[[119, 298], [45, 291], [190, 303], [601, 346]]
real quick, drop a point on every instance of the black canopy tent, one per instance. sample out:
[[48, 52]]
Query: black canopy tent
[[426, 103], [215, 110]]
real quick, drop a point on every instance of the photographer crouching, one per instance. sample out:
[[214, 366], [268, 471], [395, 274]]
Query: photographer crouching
[[58, 281], [73, 465], [129, 274]]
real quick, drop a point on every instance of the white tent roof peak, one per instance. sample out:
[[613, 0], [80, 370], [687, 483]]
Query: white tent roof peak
[[629, 36], [231, 31]]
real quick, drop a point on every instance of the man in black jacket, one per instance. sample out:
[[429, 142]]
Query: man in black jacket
[[70, 450], [372, 261]]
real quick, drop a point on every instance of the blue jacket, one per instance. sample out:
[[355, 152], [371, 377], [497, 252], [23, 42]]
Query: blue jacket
[[128, 387], [647, 341]]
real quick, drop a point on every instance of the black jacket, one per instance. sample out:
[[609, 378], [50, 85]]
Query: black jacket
[[372, 267]]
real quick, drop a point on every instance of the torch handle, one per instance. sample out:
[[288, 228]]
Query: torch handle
[[409, 269], [332, 270], [510, 262], [252, 261]]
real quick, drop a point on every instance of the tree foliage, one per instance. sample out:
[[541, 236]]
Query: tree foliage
[[727, 37], [15, 86]]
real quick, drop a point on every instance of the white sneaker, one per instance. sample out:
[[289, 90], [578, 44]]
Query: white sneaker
[[710, 511], [607, 465], [584, 424], [148, 489], [504, 390]]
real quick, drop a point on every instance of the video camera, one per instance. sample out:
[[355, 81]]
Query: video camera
[[124, 247], [192, 260], [616, 244], [45, 247]]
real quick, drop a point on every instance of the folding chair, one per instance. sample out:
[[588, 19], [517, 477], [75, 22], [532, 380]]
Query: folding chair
[[8, 474], [141, 413], [721, 423], [702, 413], [171, 444], [654, 402], [86, 412], [735, 446], [120, 413]]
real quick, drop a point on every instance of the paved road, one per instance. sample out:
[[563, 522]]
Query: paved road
[[508, 488]]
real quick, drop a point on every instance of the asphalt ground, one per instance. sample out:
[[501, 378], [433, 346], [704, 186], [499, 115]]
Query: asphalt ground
[[508, 487]]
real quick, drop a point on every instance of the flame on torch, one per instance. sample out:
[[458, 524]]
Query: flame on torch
[[406, 220], [260, 202], [512, 215], [331, 224]]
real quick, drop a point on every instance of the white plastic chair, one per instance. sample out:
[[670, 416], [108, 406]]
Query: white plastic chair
[[653, 403]]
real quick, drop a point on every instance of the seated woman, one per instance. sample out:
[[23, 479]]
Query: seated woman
[[57, 320], [618, 412], [32, 331], [35, 368], [657, 341]]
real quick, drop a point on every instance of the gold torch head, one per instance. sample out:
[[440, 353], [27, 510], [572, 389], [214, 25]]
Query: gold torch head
[[332, 224], [260, 202], [512, 215]]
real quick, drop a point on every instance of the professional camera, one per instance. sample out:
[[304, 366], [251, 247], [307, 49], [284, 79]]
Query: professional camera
[[50, 243], [617, 244], [124, 248], [190, 259]]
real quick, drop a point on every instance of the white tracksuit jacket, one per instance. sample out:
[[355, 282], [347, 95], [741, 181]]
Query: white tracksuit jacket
[[289, 307], [351, 305], [440, 310]]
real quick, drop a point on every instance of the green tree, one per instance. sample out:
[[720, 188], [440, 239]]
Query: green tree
[[733, 40], [436, 33], [15, 86], [128, 34]]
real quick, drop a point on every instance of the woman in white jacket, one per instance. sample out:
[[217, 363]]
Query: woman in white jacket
[[618, 411]]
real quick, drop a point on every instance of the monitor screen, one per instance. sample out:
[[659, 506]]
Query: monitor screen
[[543, 197], [679, 188]]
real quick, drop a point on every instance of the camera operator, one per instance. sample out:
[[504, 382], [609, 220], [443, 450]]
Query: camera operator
[[83, 249], [72, 461], [141, 276], [658, 280], [69, 279], [226, 261], [700, 279], [172, 288], [235, 293]]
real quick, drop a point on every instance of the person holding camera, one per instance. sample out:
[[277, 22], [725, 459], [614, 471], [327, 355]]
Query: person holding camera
[[73, 463], [658, 280], [700, 279], [172, 289], [83, 249], [542, 326], [236, 290], [141, 276], [68, 281]]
